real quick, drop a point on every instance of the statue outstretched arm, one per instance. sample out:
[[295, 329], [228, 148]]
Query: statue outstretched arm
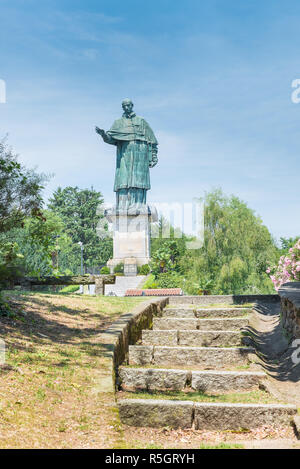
[[106, 138]]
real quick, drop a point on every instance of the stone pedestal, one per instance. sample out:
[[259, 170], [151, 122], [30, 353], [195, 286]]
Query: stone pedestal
[[131, 238]]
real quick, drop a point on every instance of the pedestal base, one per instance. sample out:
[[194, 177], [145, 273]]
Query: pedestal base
[[131, 238]]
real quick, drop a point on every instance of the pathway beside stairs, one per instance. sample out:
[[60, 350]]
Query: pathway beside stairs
[[196, 369], [123, 284]]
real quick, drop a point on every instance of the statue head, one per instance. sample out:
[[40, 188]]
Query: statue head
[[127, 106]]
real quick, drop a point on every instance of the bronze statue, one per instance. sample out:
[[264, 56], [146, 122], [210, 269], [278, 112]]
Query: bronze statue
[[136, 153]]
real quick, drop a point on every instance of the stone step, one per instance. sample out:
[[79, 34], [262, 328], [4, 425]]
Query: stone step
[[161, 379], [202, 415], [193, 338], [225, 324], [222, 312], [185, 312], [203, 357]]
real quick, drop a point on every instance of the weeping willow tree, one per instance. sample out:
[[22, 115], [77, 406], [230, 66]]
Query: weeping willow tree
[[237, 249]]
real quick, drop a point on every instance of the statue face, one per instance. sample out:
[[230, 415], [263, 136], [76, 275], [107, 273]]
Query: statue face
[[127, 107]]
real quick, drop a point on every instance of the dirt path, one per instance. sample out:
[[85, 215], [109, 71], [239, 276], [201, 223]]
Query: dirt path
[[276, 354]]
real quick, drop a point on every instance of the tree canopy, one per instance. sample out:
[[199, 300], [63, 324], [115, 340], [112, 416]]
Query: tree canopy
[[236, 252], [80, 211], [20, 190]]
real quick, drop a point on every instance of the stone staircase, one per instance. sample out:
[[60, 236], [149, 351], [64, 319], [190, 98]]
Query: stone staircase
[[195, 369]]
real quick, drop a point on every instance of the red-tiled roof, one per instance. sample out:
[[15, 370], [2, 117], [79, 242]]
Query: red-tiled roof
[[154, 292]]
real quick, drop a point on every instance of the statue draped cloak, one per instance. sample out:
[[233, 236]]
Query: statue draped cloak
[[136, 148]]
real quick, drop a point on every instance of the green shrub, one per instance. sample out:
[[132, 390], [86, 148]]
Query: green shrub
[[152, 286], [119, 269], [203, 286], [144, 269], [11, 263], [70, 289], [149, 281], [170, 280], [105, 270]]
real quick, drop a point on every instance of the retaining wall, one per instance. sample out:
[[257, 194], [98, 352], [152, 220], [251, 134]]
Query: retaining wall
[[289, 294]]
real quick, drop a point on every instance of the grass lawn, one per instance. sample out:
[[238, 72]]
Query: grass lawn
[[49, 396]]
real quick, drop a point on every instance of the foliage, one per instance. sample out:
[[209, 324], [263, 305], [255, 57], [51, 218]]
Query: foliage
[[165, 258], [150, 282], [287, 244], [288, 268], [70, 289], [119, 268], [20, 191], [203, 285], [169, 280], [237, 249], [105, 270], [20, 197], [45, 246], [144, 269], [10, 263], [80, 211]]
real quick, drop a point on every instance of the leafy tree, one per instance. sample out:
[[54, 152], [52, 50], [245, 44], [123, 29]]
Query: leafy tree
[[45, 247], [287, 243], [165, 258], [20, 190], [20, 197], [163, 232], [79, 211], [237, 249]]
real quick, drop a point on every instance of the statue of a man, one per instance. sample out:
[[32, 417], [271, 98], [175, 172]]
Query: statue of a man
[[136, 153]]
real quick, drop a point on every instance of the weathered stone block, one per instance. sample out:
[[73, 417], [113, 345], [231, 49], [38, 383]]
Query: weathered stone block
[[216, 416], [204, 357], [174, 323], [156, 413], [140, 354], [221, 312], [209, 338], [179, 313], [222, 381], [159, 337], [152, 379], [290, 307], [225, 324]]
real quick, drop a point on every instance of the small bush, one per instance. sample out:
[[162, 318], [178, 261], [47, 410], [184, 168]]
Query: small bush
[[144, 269], [170, 280], [105, 270], [70, 289], [119, 269], [149, 282], [153, 286]]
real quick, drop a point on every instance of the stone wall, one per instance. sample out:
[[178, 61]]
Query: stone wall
[[127, 330], [290, 308]]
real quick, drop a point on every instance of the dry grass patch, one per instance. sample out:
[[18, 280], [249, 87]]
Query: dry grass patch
[[49, 396], [266, 436], [248, 397]]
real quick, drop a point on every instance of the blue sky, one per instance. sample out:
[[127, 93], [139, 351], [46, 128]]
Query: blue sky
[[213, 79]]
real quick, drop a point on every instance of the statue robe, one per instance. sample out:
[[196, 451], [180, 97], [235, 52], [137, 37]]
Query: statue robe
[[136, 145]]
